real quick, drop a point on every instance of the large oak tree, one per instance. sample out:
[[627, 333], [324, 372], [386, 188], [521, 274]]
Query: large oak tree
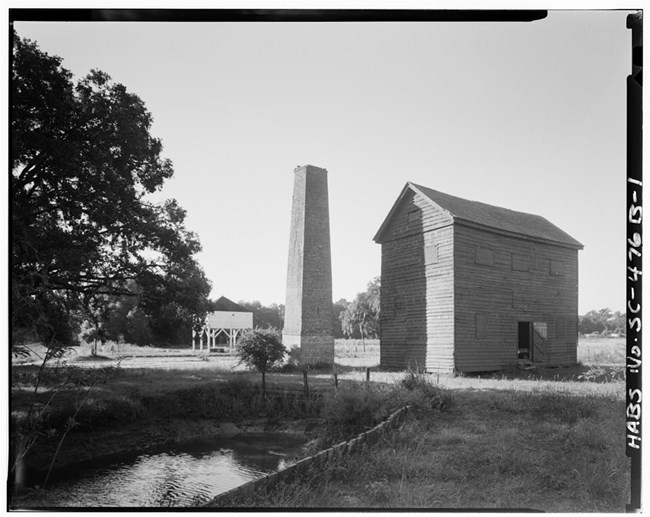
[[83, 164]]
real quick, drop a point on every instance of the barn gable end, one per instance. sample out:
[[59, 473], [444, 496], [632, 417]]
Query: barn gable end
[[412, 214], [416, 317]]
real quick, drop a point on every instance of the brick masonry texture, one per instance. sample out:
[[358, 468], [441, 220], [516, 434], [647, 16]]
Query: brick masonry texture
[[308, 309]]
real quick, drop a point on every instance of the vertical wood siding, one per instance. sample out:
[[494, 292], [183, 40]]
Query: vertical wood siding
[[528, 281]]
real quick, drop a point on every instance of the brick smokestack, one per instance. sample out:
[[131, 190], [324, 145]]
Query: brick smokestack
[[308, 309]]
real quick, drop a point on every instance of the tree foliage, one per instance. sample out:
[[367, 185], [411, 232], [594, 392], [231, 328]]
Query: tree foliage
[[602, 321], [97, 310], [260, 349], [338, 308], [83, 164], [271, 316], [361, 317]]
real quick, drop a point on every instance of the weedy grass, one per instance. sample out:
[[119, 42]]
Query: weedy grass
[[499, 450], [129, 397], [356, 348], [601, 351], [357, 407]]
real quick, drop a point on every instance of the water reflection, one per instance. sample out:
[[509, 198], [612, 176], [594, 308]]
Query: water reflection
[[184, 476]]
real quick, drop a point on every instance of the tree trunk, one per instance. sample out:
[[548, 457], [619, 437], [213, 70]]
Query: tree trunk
[[263, 383]]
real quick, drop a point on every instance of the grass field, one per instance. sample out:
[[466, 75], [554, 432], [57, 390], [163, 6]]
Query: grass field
[[548, 439], [593, 351], [544, 451], [348, 352], [601, 351]]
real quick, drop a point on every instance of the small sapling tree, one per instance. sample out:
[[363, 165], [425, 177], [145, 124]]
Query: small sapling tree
[[260, 349]]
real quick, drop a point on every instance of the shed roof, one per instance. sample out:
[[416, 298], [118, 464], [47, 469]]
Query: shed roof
[[480, 214], [223, 304]]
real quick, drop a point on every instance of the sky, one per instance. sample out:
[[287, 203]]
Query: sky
[[526, 116]]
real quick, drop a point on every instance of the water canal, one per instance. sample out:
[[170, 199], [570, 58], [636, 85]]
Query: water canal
[[186, 475]]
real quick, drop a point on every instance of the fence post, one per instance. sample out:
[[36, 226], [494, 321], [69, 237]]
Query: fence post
[[306, 388], [367, 374], [336, 379]]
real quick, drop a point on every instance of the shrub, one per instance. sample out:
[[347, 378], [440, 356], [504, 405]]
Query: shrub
[[412, 379], [260, 349], [423, 394]]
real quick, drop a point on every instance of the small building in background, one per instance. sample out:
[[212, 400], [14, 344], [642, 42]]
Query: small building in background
[[222, 327], [469, 287]]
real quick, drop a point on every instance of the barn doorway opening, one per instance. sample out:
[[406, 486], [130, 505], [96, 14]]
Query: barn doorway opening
[[525, 341]]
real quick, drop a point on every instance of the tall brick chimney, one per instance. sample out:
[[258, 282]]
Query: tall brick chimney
[[308, 311]]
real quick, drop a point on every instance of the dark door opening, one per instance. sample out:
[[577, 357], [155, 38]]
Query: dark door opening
[[525, 341]]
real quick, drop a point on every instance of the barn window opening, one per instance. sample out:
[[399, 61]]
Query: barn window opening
[[560, 327], [481, 325], [484, 257], [557, 268], [431, 254]]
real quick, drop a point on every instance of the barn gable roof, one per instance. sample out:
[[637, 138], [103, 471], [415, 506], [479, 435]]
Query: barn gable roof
[[223, 304], [475, 213]]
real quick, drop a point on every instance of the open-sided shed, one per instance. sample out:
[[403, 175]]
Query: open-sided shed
[[223, 326], [468, 286]]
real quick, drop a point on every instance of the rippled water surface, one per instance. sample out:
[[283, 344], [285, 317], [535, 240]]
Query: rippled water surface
[[184, 476]]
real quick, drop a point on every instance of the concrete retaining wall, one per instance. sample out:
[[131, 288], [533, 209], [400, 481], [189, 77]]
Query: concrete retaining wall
[[333, 453]]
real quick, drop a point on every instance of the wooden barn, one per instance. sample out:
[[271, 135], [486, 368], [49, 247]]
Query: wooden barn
[[471, 287]]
